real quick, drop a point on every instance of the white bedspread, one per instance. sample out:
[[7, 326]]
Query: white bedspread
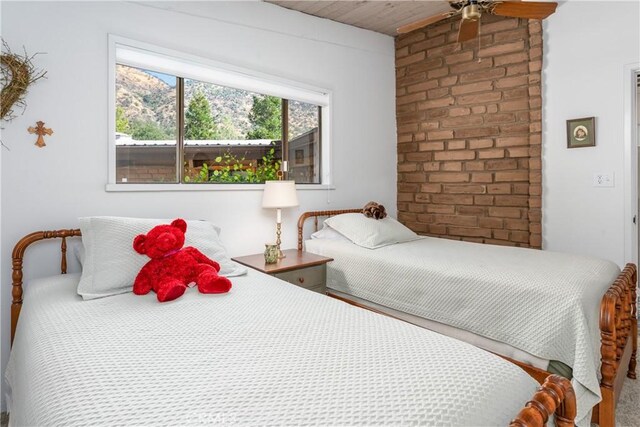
[[268, 353], [544, 303]]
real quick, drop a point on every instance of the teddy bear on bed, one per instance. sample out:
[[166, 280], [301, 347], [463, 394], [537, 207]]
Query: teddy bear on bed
[[374, 210], [172, 268]]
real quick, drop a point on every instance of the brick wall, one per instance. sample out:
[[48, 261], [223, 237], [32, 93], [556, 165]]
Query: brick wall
[[469, 132]]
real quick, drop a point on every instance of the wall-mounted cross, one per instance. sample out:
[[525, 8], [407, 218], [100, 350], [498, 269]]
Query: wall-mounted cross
[[41, 131]]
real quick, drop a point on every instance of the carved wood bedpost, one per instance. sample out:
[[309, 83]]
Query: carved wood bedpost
[[633, 286], [555, 396], [17, 261]]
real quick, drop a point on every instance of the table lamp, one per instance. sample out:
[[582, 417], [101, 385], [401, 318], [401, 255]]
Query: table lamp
[[278, 195]]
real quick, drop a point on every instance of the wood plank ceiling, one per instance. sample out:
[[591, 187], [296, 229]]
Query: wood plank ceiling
[[380, 16]]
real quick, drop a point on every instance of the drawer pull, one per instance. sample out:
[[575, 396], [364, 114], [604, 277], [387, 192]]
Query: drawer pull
[[301, 280]]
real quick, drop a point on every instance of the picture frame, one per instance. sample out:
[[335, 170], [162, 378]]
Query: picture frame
[[581, 132]]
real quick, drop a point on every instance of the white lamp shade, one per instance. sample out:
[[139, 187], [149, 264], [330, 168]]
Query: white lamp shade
[[279, 194]]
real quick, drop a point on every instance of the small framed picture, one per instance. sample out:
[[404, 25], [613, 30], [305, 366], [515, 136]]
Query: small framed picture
[[581, 132]]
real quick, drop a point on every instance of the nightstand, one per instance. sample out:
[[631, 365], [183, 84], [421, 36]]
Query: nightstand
[[300, 268]]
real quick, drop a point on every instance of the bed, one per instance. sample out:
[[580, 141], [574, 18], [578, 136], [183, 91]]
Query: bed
[[267, 353], [452, 287]]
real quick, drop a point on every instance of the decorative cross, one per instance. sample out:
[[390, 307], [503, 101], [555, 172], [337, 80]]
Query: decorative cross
[[41, 131]]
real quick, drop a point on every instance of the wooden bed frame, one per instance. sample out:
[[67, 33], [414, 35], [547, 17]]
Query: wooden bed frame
[[554, 397], [618, 331]]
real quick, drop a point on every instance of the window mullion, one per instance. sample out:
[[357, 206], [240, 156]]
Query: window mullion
[[180, 121], [285, 137]]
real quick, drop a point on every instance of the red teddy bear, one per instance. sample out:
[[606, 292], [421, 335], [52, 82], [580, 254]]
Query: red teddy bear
[[173, 267]]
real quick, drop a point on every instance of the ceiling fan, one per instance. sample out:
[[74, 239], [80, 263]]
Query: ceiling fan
[[470, 12]]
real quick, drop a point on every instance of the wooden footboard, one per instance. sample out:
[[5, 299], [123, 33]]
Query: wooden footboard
[[619, 342], [618, 332], [555, 397], [17, 262]]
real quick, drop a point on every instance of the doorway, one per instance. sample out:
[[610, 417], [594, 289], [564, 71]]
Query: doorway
[[631, 184]]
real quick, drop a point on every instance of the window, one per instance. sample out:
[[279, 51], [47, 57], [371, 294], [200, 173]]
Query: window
[[182, 122]]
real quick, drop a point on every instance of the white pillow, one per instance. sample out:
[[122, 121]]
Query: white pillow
[[328, 233], [111, 264], [370, 233]]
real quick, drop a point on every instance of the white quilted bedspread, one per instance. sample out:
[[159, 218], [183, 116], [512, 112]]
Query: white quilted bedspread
[[544, 303], [268, 353]]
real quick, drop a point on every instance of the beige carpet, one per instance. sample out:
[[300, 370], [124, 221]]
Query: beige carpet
[[628, 410]]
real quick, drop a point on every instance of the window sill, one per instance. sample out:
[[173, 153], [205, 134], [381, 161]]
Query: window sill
[[116, 188]]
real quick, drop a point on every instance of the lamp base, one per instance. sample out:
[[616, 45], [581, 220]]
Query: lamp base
[[278, 233]]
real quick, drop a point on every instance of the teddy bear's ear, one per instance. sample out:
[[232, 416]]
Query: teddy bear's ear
[[180, 224], [139, 244]]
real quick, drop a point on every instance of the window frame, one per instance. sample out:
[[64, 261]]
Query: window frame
[[214, 71]]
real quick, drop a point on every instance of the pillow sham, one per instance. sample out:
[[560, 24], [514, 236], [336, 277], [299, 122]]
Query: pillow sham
[[111, 264], [370, 233], [328, 233]]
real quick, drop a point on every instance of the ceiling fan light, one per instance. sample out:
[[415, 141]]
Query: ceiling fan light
[[471, 12]]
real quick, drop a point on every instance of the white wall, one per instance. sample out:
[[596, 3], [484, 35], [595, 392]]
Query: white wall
[[50, 187], [586, 45]]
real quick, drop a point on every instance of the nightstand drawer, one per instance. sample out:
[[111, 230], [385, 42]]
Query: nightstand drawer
[[310, 277]]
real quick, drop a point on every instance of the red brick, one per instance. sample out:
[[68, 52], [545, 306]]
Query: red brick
[[512, 141], [435, 103], [468, 221], [460, 111], [437, 93], [464, 189], [452, 199], [504, 164], [505, 212], [411, 59], [491, 223], [508, 82], [512, 58], [440, 209], [459, 57], [431, 166], [445, 177], [471, 210], [431, 188], [512, 176], [423, 86], [419, 157], [484, 177], [431, 146], [461, 231], [472, 87], [501, 25], [457, 145], [480, 143], [479, 98], [441, 134], [522, 201], [476, 132], [454, 122], [411, 98], [490, 74], [499, 189], [500, 49], [454, 155], [495, 153]]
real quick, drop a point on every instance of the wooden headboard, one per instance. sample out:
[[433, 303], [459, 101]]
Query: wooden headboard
[[18, 256], [315, 215]]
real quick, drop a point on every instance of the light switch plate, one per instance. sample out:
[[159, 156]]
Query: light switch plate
[[603, 179]]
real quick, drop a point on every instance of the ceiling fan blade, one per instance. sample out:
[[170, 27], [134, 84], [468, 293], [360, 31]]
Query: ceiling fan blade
[[524, 9], [423, 23], [468, 30]]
